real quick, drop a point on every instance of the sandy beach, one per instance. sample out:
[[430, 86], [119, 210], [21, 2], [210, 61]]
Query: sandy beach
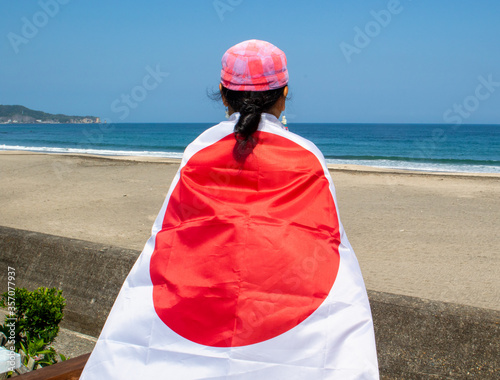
[[433, 236]]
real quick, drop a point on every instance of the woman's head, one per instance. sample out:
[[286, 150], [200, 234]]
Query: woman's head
[[254, 79]]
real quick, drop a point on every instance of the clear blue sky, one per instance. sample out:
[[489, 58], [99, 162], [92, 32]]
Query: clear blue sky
[[416, 66]]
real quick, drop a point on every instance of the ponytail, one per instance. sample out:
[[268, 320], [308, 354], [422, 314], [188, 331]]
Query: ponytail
[[250, 105]]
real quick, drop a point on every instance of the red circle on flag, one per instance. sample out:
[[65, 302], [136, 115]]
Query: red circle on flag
[[246, 251]]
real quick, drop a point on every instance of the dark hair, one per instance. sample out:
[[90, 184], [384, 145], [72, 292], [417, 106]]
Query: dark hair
[[250, 105]]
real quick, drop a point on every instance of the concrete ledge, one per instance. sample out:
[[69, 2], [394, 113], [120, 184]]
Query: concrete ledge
[[422, 339], [416, 338], [89, 274]]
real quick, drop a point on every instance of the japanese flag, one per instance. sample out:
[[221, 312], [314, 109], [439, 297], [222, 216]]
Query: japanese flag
[[248, 273]]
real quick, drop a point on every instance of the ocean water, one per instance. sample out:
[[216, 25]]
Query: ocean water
[[424, 147]]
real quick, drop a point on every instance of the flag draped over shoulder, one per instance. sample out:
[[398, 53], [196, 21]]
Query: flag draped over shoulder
[[248, 273]]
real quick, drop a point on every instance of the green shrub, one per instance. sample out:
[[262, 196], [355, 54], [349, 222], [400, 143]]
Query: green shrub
[[36, 317]]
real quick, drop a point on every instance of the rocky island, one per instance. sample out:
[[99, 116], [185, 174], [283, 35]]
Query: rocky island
[[23, 115]]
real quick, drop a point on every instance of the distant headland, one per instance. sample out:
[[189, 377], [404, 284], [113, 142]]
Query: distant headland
[[23, 115]]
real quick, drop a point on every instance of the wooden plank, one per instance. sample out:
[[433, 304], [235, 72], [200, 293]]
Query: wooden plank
[[70, 369]]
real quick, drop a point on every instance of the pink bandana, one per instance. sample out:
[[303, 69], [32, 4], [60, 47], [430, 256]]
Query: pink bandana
[[254, 65]]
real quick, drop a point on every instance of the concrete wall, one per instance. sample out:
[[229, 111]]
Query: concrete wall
[[416, 338], [422, 339], [89, 274]]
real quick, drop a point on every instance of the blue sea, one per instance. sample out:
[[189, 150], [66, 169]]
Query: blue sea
[[423, 147]]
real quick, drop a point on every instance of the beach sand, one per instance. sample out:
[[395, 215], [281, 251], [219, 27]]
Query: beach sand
[[433, 236]]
